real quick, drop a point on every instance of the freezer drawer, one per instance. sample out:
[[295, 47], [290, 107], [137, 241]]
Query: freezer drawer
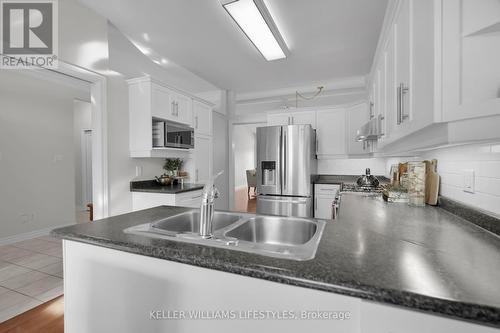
[[284, 206]]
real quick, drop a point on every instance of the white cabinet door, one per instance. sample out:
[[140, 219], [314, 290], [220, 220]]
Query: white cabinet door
[[390, 85], [356, 117], [278, 119], [162, 104], [323, 208], [183, 108], [304, 118], [202, 118], [331, 132], [190, 199], [403, 64], [324, 196], [142, 200], [203, 158], [381, 318]]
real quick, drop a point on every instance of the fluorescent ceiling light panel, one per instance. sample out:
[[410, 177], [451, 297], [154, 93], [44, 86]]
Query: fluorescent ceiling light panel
[[257, 24]]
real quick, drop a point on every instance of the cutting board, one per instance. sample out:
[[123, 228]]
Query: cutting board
[[431, 182]]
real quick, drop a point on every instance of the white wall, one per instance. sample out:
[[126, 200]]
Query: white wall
[[121, 165], [81, 121], [37, 162], [83, 36], [244, 152]]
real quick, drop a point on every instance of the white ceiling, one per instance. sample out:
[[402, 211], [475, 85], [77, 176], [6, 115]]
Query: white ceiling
[[327, 39]]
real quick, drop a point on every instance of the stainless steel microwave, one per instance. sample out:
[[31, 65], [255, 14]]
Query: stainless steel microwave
[[172, 135]]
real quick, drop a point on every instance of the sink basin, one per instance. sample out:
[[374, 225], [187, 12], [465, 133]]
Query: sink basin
[[275, 230], [189, 222], [273, 236]]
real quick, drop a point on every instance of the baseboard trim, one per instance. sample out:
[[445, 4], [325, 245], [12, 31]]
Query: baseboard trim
[[29, 235]]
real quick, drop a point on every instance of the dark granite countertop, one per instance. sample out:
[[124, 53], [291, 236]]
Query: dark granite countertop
[[152, 186], [425, 259]]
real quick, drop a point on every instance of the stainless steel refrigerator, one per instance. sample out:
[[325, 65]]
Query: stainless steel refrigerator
[[286, 160]]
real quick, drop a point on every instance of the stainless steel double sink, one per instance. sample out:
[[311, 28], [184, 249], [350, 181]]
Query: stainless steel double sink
[[274, 236]]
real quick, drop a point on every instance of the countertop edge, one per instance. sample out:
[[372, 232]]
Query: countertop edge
[[166, 192], [468, 312]]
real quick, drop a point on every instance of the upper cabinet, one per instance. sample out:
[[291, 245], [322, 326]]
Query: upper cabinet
[[303, 118], [169, 105], [331, 133], [357, 116], [150, 100], [436, 64], [183, 106], [202, 118], [292, 118], [470, 35]]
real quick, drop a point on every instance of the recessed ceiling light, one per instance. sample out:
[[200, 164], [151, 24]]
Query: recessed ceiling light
[[254, 19], [164, 61], [146, 37]]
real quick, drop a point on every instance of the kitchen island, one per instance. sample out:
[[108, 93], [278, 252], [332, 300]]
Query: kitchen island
[[392, 267]]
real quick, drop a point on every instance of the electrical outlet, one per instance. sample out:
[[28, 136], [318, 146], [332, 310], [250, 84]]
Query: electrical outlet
[[468, 181], [26, 217], [57, 158]]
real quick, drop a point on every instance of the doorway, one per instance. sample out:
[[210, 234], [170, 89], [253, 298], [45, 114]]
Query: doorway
[[245, 162]]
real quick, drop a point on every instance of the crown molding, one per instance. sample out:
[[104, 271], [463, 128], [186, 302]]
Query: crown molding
[[331, 87]]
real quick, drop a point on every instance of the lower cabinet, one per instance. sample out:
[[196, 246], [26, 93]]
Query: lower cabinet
[[151, 290], [324, 196], [143, 200], [381, 318]]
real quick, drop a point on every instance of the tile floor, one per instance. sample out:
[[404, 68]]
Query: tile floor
[[31, 273]]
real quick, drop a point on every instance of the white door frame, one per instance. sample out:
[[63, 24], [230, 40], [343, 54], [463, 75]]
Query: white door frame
[[97, 82], [83, 148]]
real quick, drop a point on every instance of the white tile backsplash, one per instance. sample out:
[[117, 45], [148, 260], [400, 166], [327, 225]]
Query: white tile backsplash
[[484, 159], [353, 166]]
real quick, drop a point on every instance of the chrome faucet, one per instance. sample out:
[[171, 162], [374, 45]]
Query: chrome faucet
[[210, 193]]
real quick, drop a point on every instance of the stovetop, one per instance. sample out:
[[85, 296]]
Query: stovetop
[[346, 187]]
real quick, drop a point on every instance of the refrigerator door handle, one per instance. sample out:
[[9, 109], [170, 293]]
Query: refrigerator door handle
[[284, 161]]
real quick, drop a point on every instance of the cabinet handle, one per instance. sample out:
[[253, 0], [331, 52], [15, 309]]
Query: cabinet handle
[[317, 146], [196, 122], [173, 108], [401, 116], [293, 120], [176, 109], [371, 110]]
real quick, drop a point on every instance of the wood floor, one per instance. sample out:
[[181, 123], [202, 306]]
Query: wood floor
[[48, 317], [242, 203]]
